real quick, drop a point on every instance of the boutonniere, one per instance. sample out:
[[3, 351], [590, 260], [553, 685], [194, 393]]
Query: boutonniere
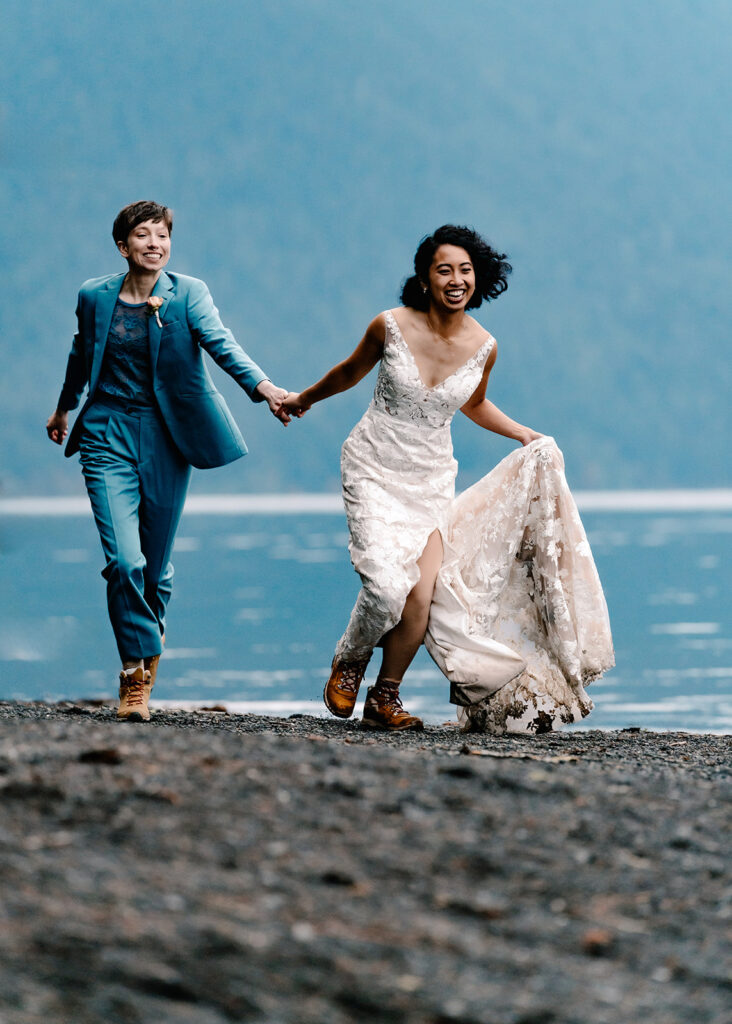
[[153, 308]]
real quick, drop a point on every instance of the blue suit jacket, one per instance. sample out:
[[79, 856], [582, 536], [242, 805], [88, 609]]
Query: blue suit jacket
[[196, 415]]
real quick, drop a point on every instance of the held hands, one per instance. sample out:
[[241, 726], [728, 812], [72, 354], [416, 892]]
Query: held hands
[[284, 404], [58, 426], [273, 396], [294, 405]]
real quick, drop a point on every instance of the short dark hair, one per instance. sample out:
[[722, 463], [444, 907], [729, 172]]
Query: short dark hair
[[491, 268], [137, 213]]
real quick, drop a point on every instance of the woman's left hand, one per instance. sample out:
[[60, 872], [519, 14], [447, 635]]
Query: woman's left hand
[[273, 396], [528, 436]]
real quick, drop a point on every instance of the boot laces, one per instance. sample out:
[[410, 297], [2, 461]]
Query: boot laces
[[134, 692], [350, 675], [387, 695]]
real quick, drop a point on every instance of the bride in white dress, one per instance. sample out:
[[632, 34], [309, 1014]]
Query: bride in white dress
[[499, 583]]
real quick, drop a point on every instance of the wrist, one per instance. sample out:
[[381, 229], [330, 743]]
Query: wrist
[[265, 390]]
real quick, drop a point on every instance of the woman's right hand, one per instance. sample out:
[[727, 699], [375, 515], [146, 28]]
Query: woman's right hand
[[58, 426], [294, 404]]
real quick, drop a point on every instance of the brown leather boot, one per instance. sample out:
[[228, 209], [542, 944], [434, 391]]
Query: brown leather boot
[[134, 693], [341, 690], [384, 710]]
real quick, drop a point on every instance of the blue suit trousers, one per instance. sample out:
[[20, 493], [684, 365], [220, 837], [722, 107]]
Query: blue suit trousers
[[137, 482]]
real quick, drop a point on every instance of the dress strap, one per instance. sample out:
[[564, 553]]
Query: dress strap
[[391, 325]]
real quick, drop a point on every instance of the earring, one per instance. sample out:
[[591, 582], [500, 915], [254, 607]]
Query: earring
[[424, 289]]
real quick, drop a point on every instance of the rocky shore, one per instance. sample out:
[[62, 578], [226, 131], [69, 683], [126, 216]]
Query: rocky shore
[[210, 868]]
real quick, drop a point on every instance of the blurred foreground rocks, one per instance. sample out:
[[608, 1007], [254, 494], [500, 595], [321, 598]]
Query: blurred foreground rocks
[[210, 868]]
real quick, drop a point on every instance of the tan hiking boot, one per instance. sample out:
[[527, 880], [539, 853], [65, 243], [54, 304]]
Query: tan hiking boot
[[134, 693], [383, 709], [341, 690]]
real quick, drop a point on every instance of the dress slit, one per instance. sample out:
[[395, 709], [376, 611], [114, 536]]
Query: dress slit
[[385, 587]]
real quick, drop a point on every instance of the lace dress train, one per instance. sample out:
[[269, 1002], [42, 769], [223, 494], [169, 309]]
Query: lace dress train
[[518, 571]]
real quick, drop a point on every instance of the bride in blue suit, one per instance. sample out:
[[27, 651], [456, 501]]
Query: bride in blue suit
[[151, 413]]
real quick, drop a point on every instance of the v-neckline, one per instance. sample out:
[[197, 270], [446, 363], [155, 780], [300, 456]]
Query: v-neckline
[[416, 366]]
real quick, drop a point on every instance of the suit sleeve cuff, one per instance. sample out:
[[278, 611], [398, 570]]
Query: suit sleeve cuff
[[66, 402]]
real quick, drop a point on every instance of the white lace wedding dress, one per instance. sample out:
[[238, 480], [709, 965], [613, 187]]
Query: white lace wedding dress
[[518, 622]]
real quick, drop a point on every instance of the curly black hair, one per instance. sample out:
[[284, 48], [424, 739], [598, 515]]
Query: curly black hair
[[491, 268]]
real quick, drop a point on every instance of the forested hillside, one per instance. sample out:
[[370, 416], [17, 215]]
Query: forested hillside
[[307, 146]]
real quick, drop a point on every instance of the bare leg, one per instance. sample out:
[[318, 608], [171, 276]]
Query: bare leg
[[402, 642]]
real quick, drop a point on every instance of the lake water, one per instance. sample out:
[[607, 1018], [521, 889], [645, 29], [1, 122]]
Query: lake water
[[261, 598]]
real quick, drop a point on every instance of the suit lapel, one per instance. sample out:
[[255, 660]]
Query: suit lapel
[[163, 288], [106, 300]]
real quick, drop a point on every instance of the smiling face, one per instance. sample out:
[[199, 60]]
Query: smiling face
[[147, 248], [451, 278]]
